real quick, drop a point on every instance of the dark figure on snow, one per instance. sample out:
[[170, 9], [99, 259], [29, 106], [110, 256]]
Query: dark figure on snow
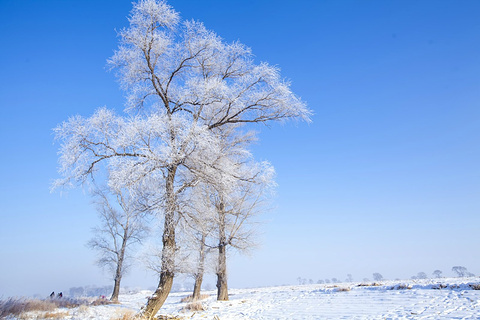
[[52, 295], [60, 295]]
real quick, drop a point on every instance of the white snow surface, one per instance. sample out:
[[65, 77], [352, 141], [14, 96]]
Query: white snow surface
[[420, 299]]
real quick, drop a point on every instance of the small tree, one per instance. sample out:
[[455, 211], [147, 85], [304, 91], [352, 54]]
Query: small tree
[[236, 206], [437, 273], [193, 259], [349, 278], [422, 275], [122, 227], [377, 276], [197, 224], [220, 210]]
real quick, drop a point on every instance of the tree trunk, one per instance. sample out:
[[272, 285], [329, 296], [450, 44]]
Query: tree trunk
[[197, 286], [116, 288], [222, 288], [222, 292], [201, 269], [156, 301], [119, 271]]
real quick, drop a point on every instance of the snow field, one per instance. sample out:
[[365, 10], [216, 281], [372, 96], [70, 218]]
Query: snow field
[[421, 299]]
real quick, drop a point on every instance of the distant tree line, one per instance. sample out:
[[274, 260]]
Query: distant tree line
[[460, 271], [90, 291]]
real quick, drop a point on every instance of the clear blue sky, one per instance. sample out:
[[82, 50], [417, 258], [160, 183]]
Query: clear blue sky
[[385, 179]]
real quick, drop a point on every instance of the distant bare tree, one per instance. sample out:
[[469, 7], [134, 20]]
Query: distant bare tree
[[327, 280], [349, 278], [462, 272], [377, 276], [422, 275], [437, 273], [122, 227]]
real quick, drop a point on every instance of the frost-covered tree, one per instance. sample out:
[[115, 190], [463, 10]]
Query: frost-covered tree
[[220, 211], [236, 206], [235, 212], [183, 84], [122, 226], [192, 258], [349, 278], [422, 275], [198, 226], [200, 270]]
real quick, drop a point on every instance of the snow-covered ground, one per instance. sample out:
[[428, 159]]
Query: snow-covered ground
[[420, 299]]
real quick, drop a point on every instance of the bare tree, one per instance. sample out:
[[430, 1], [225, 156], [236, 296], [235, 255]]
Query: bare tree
[[462, 272], [437, 273], [122, 226], [422, 275], [377, 276], [185, 83], [349, 278]]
